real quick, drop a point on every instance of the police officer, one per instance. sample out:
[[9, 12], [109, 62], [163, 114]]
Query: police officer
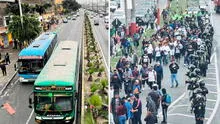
[[204, 90], [198, 107]]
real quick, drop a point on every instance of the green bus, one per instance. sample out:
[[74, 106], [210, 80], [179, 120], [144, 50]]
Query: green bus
[[56, 88]]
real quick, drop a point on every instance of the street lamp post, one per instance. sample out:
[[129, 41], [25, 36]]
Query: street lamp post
[[21, 15]]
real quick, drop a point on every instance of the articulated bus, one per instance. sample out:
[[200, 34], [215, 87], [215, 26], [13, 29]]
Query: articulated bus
[[56, 88], [32, 59]]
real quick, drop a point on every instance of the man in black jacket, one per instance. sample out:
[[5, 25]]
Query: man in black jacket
[[174, 69]]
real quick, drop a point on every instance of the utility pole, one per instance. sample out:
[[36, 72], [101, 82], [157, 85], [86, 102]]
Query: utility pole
[[133, 11], [21, 15], [126, 13], [97, 6]]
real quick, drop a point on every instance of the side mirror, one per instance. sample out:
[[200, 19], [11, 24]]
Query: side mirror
[[76, 95]]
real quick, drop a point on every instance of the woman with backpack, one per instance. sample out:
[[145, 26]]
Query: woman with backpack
[[165, 102]]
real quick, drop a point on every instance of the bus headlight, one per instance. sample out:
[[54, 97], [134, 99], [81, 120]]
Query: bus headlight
[[68, 118], [38, 118]]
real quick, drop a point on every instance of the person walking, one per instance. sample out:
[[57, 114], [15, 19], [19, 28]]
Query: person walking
[[3, 68], [165, 102], [115, 103], [121, 113], [152, 76], [7, 59], [137, 110], [128, 105], [151, 111], [174, 69], [159, 70]]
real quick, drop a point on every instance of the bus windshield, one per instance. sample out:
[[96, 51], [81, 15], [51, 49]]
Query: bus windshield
[[44, 103], [63, 103], [30, 66], [53, 102]]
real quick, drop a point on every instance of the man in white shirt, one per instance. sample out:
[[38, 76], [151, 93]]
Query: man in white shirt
[[152, 76], [150, 52], [166, 50]]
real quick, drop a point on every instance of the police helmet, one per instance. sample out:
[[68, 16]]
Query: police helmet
[[192, 67], [201, 83]]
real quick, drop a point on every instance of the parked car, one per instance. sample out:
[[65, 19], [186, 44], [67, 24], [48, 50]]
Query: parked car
[[96, 21], [68, 17], [74, 17], [65, 21]]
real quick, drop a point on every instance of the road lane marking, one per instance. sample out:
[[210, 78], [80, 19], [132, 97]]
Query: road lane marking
[[185, 115], [212, 85], [210, 73], [213, 92], [210, 109], [29, 118], [210, 79], [211, 100], [218, 96]]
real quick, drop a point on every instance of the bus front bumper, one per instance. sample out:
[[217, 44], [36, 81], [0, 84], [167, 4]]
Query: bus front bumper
[[21, 79], [39, 119]]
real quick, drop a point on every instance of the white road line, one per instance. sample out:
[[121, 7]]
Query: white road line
[[210, 73], [29, 118], [210, 79], [212, 92], [210, 109], [218, 96], [185, 115], [211, 100], [212, 85]]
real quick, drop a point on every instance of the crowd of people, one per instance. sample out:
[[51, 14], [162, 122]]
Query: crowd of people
[[189, 38]]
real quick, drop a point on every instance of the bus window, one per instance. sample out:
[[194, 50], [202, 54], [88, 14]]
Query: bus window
[[30, 66], [63, 103], [43, 103], [37, 66]]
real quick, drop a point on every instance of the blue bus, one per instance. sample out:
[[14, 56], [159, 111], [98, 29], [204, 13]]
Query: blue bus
[[32, 59]]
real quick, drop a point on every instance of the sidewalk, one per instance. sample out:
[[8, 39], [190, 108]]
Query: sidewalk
[[13, 53]]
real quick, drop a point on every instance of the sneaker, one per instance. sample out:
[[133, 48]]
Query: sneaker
[[143, 89], [177, 85], [171, 86]]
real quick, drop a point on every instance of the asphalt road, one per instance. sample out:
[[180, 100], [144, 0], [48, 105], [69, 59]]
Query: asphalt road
[[101, 35], [17, 94]]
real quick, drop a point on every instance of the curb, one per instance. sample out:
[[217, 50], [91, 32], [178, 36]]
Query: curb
[[83, 83], [5, 86]]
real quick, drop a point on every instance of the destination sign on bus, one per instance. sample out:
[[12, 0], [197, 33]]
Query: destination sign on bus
[[53, 88], [30, 57]]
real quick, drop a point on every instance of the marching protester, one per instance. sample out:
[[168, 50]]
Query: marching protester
[[179, 39]]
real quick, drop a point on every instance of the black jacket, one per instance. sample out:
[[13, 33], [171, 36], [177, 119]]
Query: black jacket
[[173, 68]]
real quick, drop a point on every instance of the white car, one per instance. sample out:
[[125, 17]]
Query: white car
[[96, 21], [106, 19]]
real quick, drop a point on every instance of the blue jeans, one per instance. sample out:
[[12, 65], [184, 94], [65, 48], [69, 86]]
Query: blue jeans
[[122, 119], [173, 77]]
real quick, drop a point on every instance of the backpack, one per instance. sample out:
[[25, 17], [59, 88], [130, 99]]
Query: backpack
[[168, 99]]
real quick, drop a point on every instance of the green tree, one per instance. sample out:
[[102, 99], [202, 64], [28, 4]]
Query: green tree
[[42, 8], [71, 5], [31, 28], [13, 8], [96, 101]]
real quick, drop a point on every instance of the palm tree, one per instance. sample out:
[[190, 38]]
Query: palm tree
[[96, 101], [91, 70], [101, 69]]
